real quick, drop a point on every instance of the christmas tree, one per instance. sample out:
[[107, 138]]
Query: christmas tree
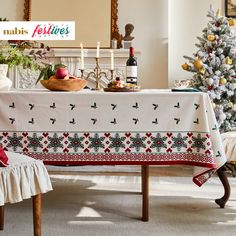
[[214, 67]]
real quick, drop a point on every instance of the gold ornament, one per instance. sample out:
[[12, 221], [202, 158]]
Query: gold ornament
[[185, 66], [213, 105], [231, 22], [223, 81], [198, 64], [202, 71], [230, 104], [211, 37], [218, 14], [228, 61]]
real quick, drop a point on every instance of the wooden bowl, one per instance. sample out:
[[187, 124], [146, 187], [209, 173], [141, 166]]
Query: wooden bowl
[[64, 84]]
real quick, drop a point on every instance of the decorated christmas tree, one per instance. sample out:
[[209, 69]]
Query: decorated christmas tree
[[214, 67]]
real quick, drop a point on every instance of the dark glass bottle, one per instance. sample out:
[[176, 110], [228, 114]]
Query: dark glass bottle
[[131, 68]]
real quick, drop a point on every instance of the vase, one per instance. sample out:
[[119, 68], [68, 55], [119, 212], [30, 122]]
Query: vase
[[5, 83]]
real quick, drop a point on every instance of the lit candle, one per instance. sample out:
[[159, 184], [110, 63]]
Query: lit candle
[[98, 47], [112, 60], [82, 57]]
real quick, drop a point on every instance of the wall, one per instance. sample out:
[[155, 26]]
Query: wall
[[12, 9], [187, 18], [150, 19]]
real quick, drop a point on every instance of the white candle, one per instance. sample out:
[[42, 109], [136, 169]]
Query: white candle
[[82, 57], [98, 47], [112, 60]]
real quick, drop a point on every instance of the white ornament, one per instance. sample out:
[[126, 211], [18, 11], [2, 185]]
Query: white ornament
[[230, 93], [210, 81], [222, 116]]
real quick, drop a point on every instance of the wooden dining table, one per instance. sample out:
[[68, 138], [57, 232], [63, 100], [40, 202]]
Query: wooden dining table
[[150, 127]]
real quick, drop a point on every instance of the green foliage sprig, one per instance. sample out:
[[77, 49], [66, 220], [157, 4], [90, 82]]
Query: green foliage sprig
[[25, 53]]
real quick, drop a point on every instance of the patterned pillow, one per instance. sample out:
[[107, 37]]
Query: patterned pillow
[[3, 158]]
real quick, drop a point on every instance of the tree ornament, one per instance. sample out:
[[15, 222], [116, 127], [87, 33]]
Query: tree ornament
[[230, 104], [218, 14], [185, 66], [198, 64], [223, 81], [222, 116], [211, 37], [210, 81], [231, 22], [228, 61], [202, 71], [210, 88]]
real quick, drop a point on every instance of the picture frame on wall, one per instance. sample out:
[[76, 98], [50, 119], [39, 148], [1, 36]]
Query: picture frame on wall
[[230, 8]]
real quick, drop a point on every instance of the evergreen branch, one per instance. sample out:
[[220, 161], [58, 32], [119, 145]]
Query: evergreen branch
[[189, 58]]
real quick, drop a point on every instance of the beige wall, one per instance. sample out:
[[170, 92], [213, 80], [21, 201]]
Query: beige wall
[[150, 18], [12, 9], [187, 18]]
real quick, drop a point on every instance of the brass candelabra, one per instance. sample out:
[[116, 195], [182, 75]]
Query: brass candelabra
[[97, 74]]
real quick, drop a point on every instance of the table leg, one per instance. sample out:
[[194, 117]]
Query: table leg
[[37, 214], [1, 217], [224, 180], [145, 192]]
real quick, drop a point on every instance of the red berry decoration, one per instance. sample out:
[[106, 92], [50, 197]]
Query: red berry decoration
[[210, 88]]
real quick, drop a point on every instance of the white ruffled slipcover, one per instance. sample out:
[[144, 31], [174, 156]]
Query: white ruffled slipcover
[[229, 142], [23, 178]]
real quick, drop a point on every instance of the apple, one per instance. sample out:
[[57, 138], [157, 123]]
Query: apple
[[61, 73]]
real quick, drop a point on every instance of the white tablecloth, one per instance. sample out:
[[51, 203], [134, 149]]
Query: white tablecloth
[[147, 127], [23, 178]]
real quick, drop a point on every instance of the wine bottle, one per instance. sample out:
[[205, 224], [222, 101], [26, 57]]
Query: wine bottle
[[131, 68]]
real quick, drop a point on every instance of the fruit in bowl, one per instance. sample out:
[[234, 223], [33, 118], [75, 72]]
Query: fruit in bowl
[[59, 79], [71, 84], [119, 84], [62, 72]]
